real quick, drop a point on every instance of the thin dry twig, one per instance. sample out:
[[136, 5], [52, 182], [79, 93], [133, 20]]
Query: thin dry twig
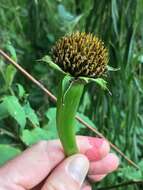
[[53, 98]]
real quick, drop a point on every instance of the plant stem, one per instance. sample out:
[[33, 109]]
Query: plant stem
[[67, 104]]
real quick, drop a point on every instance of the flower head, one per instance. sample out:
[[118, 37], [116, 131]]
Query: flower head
[[81, 54]]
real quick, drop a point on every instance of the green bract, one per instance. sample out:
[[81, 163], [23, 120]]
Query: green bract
[[101, 82]]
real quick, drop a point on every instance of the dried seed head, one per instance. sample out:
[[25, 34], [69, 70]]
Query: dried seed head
[[81, 54]]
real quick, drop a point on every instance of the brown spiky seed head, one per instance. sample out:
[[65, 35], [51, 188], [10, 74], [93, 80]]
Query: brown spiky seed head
[[81, 54]]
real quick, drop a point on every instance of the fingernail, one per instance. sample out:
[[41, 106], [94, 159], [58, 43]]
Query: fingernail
[[94, 152], [78, 168]]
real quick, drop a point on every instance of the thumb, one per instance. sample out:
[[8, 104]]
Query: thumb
[[70, 174]]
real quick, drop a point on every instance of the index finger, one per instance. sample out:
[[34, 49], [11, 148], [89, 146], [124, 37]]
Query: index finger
[[35, 163]]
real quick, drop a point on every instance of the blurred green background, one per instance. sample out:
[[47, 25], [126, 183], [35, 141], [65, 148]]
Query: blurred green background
[[28, 29]]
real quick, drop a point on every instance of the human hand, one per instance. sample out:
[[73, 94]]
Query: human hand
[[44, 166]]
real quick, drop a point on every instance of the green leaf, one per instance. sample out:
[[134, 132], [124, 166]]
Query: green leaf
[[21, 91], [51, 127], [5, 139], [2, 73], [11, 106], [31, 115], [141, 164], [12, 51], [130, 173], [9, 74], [140, 58], [86, 119], [54, 66], [64, 14], [35, 135], [10, 69], [7, 152], [109, 68], [3, 111], [101, 82]]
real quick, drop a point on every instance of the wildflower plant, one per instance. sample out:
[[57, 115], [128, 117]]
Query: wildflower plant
[[80, 58]]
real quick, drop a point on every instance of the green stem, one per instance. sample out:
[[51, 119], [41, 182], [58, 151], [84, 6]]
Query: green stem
[[67, 104]]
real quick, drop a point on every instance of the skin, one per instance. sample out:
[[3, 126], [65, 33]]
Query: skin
[[44, 166]]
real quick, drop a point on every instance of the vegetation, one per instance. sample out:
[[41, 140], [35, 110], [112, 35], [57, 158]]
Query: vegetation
[[28, 30]]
